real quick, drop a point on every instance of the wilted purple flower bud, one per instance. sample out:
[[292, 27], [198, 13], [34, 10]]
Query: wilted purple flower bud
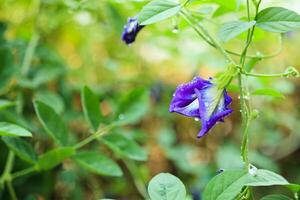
[[131, 29], [201, 99]]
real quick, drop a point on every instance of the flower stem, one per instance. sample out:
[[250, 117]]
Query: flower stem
[[208, 37], [11, 190], [29, 170], [185, 3], [188, 18], [96, 135], [22, 172], [29, 53], [9, 164], [6, 176], [132, 168], [245, 106], [86, 141], [285, 74]]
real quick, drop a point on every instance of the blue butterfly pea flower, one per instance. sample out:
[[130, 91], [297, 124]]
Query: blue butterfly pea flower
[[202, 99], [131, 29]]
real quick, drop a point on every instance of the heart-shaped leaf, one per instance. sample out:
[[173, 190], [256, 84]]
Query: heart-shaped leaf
[[165, 186]]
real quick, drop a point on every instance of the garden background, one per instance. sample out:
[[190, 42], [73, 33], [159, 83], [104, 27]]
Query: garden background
[[51, 49]]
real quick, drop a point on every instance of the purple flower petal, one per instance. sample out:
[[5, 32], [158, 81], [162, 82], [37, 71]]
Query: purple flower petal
[[185, 99], [131, 29], [202, 99], [212, 107]]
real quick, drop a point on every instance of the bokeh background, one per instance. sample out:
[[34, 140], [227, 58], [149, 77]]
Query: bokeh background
[[76, 43]]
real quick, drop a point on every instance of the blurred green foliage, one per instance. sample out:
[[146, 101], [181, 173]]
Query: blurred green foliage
[[50, 49]]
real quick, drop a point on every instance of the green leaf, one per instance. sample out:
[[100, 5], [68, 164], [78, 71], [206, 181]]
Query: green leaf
[[54, 157], [268, 92], [276, 197], [229, 183], [158, 10], [180, 156], [165, 186], [264, 177], [90, 104], [51, 122], [42, 76], [51, 99], [98, 163], [133, 106], [204, 9], [5, 104], [277, 19], [124, 146], [251, 64], [232, 29], [293, 187], [263, 161], [21, 148], [47, 74], [7, 68], [8, 129], [225, 185]]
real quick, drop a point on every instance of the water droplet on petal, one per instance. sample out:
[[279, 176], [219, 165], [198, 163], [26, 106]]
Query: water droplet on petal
[[196, 119]]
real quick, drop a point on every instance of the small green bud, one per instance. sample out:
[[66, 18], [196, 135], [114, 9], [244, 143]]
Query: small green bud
[[254, 114], [291, 72], [259, 54]]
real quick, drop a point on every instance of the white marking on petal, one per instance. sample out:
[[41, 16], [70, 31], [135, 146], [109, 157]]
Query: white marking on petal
[[192, 106], [213, 101], [131, 26]]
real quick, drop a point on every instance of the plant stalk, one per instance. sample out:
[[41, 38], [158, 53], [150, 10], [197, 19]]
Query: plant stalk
[[6, 176], [96, 135], [188, 18], [245, 106]]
